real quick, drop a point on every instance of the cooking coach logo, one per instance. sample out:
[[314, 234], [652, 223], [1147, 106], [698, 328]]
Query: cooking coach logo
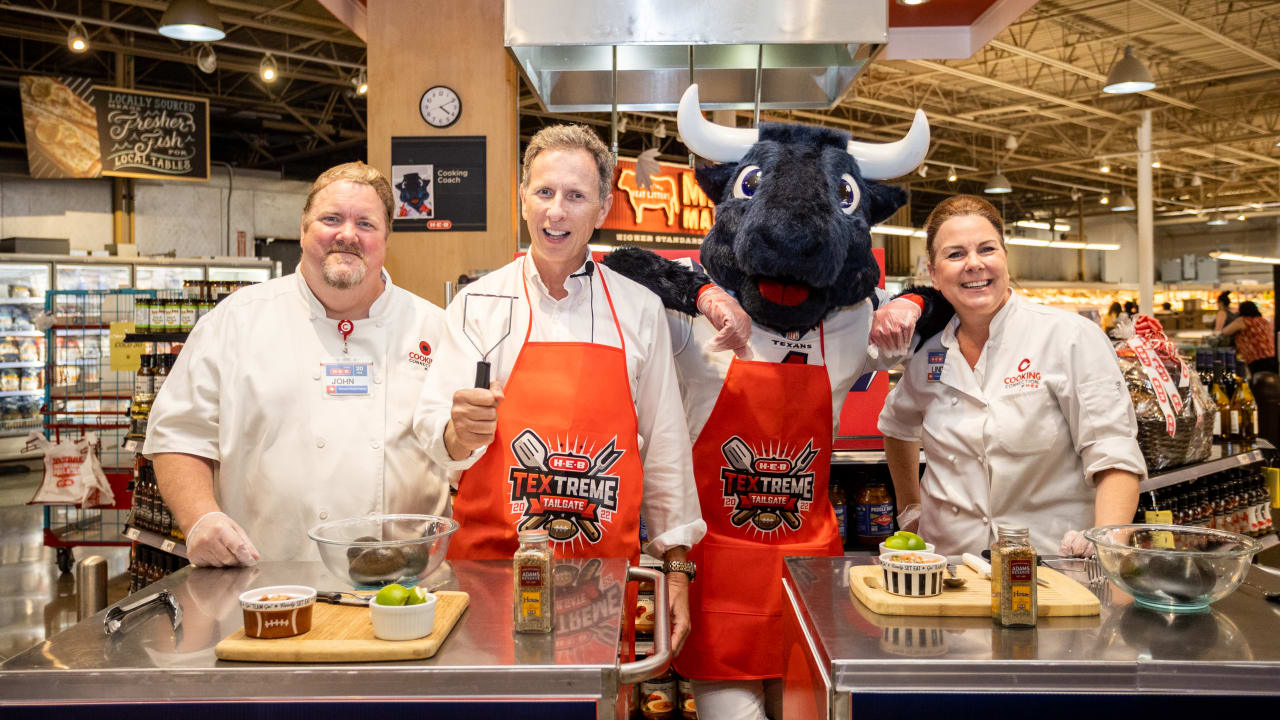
[[767, 491], [566, 492]]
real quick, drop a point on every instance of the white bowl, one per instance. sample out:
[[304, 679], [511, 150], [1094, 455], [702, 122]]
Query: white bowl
[[403, 622], [277, 611], [912, 578], [928, 547]]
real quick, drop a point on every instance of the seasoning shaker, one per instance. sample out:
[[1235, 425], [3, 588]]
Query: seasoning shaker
[[1013, 578], [533, 586]]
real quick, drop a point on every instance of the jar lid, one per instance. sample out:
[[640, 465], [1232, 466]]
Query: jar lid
[[534, 536], [1013, 531]]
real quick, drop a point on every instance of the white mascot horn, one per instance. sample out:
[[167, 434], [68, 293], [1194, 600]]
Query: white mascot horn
[[876, 161]]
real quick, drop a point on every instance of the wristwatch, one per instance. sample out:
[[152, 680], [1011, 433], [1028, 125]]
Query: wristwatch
[[688, 567]]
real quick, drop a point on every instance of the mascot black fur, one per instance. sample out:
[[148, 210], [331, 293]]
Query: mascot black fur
[[792, 235]]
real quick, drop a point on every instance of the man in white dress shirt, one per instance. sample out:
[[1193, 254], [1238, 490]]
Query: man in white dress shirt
[[292, 401]]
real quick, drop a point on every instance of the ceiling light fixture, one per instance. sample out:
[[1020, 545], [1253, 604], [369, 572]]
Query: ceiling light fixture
[[1237, 257], [1217, 218], [1128, 76], [77, 38], [1240, 217], [1011, 143], [1124, 204], [912, 2], [206, 59], [923, 170], [1196, 181], [1105, 167], [951, 174], [1105, 199], [268, 68], [661, 130], [998, 184], [361, 82], [1155, 161], [193, 20]]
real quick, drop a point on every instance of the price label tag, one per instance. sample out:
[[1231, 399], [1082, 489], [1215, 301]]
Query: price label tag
[[167, 545], [131, 446], [132, 533]]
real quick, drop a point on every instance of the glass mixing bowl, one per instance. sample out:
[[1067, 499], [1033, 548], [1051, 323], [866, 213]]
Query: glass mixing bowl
[[1173, 568], [370, 551]]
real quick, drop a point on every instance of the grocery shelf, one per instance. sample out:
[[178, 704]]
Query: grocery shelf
[[155, 540], [21, 333], [1221, 457], [21, 393], [155, 337], [22, 301], [22, 364]]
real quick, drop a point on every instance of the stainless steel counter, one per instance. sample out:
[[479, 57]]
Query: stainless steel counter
[[482, 658], [836, 647]]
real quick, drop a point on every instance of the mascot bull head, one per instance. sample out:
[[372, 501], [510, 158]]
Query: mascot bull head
[[794, 210]]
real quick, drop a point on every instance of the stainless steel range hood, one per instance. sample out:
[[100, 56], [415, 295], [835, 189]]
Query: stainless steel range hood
[[808, 50]]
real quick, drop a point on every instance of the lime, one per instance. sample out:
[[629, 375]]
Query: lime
[[915, 543], [897, 542], [416, 596], [393, 594]]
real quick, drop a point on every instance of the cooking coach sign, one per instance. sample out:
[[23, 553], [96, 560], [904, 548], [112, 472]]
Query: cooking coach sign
[[152, 135]]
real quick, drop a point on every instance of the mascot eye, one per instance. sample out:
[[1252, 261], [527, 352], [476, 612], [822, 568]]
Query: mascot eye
[[747, 183], [849, 195]]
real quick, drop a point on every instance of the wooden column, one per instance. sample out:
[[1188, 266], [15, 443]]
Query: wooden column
[[414, 45]]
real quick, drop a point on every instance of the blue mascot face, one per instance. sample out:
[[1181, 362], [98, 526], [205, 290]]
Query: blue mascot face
[[792, 234]]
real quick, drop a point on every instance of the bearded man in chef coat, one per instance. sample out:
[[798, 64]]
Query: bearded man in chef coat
[[581, 432], [292, 401]]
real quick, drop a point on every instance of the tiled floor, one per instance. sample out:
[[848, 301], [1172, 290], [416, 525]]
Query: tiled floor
[[36, 599]]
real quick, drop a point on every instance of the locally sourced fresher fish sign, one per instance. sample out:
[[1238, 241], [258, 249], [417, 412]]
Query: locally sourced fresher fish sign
[[767, 491], [568, 493]]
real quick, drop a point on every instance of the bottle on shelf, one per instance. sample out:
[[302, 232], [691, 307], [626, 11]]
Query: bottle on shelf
[[839, 504], [1246, 407], [1222, 401]]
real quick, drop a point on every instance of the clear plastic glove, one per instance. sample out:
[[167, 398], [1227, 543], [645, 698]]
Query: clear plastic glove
[[893, 325], [1074, 544], [215, 540], [727, 316], [909, 518]]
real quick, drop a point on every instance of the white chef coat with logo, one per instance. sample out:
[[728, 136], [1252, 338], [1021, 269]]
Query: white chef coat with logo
[[670, 503], [247, 393], [1018, 438]]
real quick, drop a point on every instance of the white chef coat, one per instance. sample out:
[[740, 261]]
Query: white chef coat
[[246, 393], [848, 357], [669, 505], [1017, 439]]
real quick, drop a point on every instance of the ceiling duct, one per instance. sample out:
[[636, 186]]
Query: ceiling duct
[[808, 51]]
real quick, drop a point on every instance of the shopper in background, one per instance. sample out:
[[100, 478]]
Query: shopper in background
[[1224, 316], [1113, 314], [1255, 339], [253, 440], [1021, 407], [582, 379]]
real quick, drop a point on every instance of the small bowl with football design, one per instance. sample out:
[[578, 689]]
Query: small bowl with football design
[[277, 611], [913, 573]]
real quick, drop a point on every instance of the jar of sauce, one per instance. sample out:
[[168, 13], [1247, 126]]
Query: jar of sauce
[[873, 513]]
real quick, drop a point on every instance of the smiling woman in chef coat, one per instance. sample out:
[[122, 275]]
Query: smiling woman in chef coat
[[1020, 408]]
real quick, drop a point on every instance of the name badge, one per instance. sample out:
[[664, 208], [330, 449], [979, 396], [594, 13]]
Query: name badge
[[346, 377], [937, 360]]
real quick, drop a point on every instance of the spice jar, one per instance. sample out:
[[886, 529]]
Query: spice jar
[[531, 577], [658, 697], [1013, 578]]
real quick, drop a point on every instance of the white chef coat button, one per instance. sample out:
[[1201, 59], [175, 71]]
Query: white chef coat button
[[319, 442], [377, 379], [375, 444], [984, 519], [951, 458], [316, 376], [955, 401], [324, 516], [379, 323], [955, 510]]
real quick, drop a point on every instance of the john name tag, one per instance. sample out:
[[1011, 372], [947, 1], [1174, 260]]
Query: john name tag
[[346, 377]]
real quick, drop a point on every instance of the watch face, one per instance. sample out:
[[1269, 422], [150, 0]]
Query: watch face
[[440, 106]]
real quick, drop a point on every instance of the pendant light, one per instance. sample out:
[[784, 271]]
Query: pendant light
[[193, 20], [267, 69], [951, 174], [77, 38], [361, 83], [1128, 76], [1125, 203], [998, 184], [1217, 218], [206, 59]]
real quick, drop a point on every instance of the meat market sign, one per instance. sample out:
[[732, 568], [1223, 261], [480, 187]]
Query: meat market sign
[[673, 210]]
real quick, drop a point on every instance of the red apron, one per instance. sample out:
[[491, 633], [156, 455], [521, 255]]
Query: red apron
[[565, 457], [762, 463]]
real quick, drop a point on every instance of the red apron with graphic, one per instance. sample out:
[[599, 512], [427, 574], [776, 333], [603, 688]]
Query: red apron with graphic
[[565, 457], [762, 463]]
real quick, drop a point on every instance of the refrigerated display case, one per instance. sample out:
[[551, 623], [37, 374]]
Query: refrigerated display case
[[24, 281]]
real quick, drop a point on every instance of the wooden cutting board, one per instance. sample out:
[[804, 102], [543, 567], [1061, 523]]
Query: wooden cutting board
[[342, 633], [1062, 597]]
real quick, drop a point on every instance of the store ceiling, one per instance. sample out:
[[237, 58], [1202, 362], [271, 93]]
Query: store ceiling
[[1215, 111]]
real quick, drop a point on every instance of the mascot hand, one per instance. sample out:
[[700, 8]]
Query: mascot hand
[[727, 316], [894, 324]]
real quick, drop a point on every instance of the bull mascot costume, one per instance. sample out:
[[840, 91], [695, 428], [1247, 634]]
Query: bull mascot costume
[[792, 242]]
